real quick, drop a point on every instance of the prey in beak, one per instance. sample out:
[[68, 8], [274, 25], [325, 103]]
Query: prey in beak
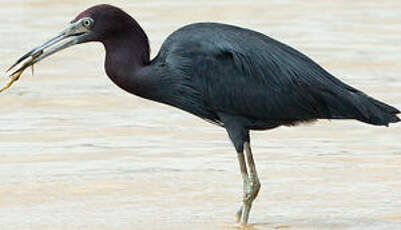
[[75, 33]]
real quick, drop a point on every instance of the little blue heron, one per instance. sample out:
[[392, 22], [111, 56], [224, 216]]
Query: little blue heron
[[236, 78]]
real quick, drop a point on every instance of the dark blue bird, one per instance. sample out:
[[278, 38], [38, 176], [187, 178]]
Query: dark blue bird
[[237, 78]]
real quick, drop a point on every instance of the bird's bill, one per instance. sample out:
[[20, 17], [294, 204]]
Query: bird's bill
[[73, 34]]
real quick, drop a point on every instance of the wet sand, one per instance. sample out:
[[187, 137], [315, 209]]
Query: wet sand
[[76, 152]]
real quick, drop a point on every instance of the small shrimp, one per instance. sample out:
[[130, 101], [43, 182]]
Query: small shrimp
[[15, 76], [34, 56]]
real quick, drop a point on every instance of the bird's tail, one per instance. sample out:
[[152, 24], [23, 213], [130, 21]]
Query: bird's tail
[[376, 112], [368, 109]]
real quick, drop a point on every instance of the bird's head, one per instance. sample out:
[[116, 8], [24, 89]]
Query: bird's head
[[98, 23], [102, 22]]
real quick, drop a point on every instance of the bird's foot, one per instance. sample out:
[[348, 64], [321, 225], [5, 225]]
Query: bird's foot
[[238, 215], [251, 190]]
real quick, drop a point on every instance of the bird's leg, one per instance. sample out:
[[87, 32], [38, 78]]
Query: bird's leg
[[251, 184], [245, 178], [240, 138], [255, 183]]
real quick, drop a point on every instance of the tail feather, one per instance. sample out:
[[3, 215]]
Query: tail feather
[[373, 111], [349, 103]]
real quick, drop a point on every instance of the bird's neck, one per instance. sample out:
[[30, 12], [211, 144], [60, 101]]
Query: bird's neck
[[126, 55]]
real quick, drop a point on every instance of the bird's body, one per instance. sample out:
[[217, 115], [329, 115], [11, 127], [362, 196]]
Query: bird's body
[[236, 78], [239, 72]]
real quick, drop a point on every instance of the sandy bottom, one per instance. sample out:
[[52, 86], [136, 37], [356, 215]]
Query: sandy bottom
[[76, 152]]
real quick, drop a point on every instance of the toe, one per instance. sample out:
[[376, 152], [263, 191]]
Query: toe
[[239, 215]]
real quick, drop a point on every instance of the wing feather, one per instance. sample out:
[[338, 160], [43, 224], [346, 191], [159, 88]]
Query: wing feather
[[245, 73]]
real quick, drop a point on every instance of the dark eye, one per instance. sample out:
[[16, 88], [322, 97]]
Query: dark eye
[[87, 23]]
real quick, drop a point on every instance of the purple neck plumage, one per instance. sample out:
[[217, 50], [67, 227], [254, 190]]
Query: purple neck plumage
[[126, 54]]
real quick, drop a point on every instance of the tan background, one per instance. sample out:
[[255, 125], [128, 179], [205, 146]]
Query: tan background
[[76, 152]]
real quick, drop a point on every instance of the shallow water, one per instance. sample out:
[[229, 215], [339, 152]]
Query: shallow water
[[76, 152]]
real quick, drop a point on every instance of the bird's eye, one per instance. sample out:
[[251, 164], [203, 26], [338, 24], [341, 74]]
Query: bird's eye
[[87, 23]]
